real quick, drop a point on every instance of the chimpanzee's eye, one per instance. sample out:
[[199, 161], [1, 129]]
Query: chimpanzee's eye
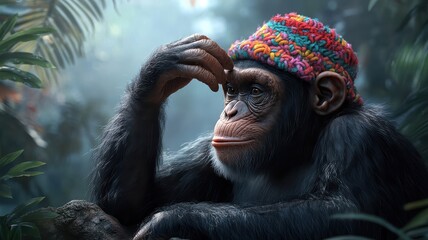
[[255, 91], [231, 90]]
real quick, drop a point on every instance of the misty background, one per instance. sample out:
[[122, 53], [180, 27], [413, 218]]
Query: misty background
[[68, 116]]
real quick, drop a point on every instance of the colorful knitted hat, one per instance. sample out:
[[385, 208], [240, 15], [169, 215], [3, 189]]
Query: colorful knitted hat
[[302, 46]]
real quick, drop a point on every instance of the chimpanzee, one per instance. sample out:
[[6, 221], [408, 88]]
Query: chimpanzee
[[293, 146]]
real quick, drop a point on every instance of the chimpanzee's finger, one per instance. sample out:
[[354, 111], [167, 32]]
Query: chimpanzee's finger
[[212, 48], [186, 40], [198, 72], [197, 56]]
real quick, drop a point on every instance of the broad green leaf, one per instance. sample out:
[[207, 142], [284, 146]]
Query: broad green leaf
[[24, 174], [5, 191], [16, 232], [20, 170], [416, 205], [39, 31], [348, 237], [421, 219], [29, 229], [10, 158], [7, 26], [39, 214], [372, 3], [24, 58], [373, 219], [24, 208], [4, 231], [17, 75], [7, 44], [23, 36]]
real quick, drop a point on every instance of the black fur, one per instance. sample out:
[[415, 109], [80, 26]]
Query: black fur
[[313, 167]]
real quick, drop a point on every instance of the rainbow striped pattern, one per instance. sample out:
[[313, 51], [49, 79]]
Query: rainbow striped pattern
[[302, 46]]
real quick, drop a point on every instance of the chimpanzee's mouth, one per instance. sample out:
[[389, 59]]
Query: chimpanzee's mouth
[[229, 141]]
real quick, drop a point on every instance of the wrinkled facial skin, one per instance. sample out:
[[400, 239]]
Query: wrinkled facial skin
[[252, 105]]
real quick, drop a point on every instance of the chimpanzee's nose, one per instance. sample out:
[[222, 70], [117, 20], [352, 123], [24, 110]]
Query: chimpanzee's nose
[[235, 110]]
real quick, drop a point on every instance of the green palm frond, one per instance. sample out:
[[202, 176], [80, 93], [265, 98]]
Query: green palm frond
[[21, 222], [410, 67], [410, 71], [9, 60], [414, 123], [72, 20]]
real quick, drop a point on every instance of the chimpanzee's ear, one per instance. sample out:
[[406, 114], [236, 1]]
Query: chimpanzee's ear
[[329, 91]]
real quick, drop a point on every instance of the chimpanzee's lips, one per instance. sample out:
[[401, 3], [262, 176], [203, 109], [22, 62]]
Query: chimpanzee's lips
[[229, 141]]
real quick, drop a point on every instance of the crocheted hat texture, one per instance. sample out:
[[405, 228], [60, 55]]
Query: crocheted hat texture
[[302, 46]]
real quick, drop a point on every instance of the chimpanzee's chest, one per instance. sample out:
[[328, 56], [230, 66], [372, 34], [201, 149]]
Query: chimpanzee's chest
[[259, 190]]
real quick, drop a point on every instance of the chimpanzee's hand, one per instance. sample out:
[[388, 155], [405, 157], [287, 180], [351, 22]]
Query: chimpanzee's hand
[[182, 221], [160, 226], [174, 65]]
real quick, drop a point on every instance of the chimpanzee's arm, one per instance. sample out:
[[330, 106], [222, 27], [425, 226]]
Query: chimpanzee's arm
[[300, 219], [127, 157], [124, 179]]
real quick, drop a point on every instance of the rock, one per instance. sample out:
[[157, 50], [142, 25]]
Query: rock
[[83, 220]]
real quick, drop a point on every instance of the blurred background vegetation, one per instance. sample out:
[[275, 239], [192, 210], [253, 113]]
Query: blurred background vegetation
[[98, 47]]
